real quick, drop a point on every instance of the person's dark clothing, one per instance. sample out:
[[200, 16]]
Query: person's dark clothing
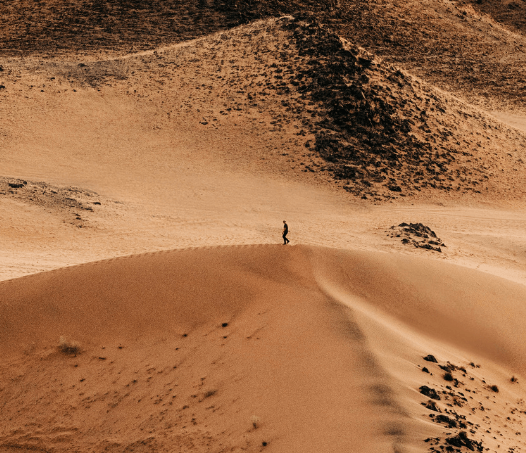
[[285, 232]]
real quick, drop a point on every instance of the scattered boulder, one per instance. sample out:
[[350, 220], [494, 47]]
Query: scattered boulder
[[429, 392], [418, 235], [446, 420], [430, 358], [16, 185], [462, 440], [67, 201], [432, 406]]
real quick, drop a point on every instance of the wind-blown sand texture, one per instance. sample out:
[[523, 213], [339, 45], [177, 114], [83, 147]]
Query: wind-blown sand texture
[[301, 348], [150, 152]]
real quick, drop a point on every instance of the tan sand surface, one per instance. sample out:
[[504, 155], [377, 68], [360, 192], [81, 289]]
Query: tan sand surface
[[324, 347], [146, 301]]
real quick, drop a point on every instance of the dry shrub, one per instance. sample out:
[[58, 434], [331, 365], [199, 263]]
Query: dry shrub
[[95, 74], [255, 421], [209, 393], [69, 347]]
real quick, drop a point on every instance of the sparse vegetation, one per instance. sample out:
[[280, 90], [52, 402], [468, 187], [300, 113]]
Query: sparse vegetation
[[448, 376], [255, 421], [68, 347], [94, 74], [209, 393]]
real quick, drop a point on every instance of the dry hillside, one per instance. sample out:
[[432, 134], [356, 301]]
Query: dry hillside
[[476, 49], [354, 118], [511, 13], [53, 28], [160, 144], [447, 43]]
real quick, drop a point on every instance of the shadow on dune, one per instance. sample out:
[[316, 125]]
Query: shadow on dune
[[284, 331]]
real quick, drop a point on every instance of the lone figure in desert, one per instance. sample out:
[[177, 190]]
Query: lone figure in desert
[[285, 232]]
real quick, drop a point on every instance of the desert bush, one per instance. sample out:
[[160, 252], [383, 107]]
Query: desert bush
[[209, 393], [96, 73], [68, 346], [255, 421]]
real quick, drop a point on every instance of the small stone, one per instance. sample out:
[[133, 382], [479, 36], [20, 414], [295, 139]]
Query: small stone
[[430, 358]]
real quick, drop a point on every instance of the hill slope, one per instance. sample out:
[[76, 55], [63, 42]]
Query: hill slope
[[447, 43], [55, 27], [476, 49], [377, 131]]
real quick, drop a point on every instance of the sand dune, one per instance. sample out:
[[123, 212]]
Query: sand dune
[[320, 349], [122, 136]]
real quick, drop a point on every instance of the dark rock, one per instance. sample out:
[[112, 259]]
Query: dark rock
[[430, 358], [448, 377], [446, 420], [429, 392], [431, 405], [462, 440]]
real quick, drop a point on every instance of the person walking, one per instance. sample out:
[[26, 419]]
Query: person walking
[[285, 232]]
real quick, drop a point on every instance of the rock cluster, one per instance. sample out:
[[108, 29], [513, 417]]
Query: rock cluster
[[70, 201], [462, 407], [381, 132], [418, 235]]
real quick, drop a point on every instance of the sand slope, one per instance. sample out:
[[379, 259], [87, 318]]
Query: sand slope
[[118, 139], [179, 350], [217, 140]]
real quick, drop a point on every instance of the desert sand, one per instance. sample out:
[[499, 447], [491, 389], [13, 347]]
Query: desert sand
[[146, 300]]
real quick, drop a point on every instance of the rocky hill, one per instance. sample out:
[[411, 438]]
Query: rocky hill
[[330, 106], [511, 13], [381, 128], [474, 49], [453, 45]]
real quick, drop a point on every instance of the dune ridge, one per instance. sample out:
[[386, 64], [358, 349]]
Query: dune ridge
[[130, 127], [260, 347]]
